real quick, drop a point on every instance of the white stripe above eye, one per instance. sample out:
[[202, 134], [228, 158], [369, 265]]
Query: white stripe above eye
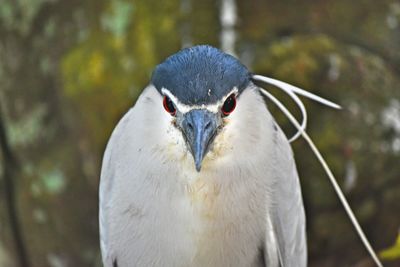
[[184, 108]]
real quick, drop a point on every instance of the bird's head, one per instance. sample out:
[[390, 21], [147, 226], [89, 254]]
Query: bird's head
[[201, 88]]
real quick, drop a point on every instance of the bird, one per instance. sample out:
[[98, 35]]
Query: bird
[[199, 173]]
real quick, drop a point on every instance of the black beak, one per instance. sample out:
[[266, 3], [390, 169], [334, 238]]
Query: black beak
[[199, 127]]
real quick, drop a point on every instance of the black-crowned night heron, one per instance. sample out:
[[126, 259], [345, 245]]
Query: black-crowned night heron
[[198, 173]]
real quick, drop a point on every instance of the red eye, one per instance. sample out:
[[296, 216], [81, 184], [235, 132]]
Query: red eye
[[169, 106], [229, 105]]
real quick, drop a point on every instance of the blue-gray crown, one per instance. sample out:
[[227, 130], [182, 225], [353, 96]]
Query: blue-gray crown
[[200, 75]]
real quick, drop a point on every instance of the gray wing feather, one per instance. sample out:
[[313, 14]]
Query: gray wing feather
[[287, 214], [106, 183]]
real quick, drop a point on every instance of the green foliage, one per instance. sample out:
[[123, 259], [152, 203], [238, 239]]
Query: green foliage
[[97, 77], [4, 257], [105, 73], [297, 60], [393, 252], [53, 181], [28, 129], [118, 19], [19, 14]]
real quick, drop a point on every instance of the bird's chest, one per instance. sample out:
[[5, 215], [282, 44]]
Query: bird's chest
[[202, 199], [216, 224], [198, 221], [202, 209]]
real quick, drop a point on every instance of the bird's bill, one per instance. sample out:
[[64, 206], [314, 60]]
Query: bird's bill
[[199, 127]]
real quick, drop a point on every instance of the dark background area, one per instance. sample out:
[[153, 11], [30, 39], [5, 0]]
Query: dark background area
[[70, 69]]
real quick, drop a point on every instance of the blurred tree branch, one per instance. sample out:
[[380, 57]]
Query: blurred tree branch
[[390, 59], [10, 173]]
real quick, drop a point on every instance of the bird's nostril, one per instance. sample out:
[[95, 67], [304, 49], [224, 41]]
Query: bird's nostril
[[190, 125], [208, 125]]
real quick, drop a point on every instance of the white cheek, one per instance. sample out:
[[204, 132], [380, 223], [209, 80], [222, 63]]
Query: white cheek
[[172, 142], [223, 147], [164, 139], [176, 144]]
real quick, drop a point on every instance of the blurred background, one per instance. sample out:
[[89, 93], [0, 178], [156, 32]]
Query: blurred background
[[70, 69]]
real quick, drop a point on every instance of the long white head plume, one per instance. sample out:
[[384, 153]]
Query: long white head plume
[[292, 91]]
